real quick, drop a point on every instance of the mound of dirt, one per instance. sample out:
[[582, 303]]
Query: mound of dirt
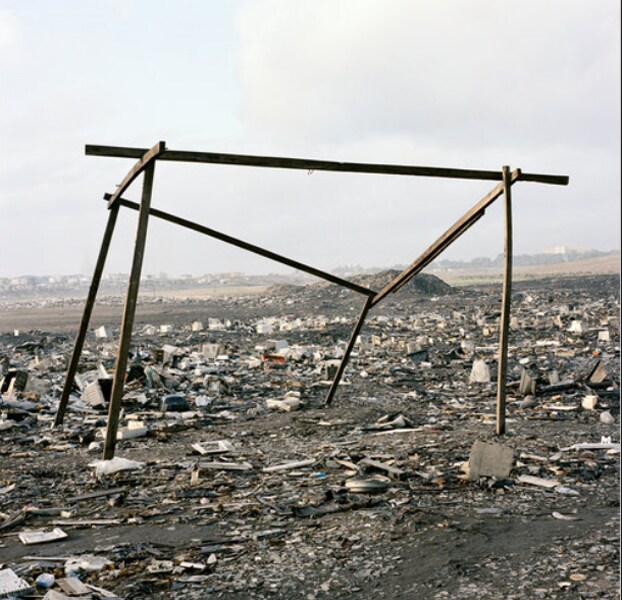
[[427, 285], [421, 284]]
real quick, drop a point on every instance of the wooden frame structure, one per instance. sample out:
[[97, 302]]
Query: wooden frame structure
[[145, 165]]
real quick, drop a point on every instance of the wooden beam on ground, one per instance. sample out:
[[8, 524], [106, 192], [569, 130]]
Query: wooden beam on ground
[[314, 164], [86, 316], [502, 370], [455, 231], [128, 314]]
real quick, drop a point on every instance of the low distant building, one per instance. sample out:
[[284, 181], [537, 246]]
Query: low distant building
[[564, 250]]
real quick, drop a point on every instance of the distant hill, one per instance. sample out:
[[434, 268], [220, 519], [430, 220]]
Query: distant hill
[[466, 273], [569, 263]]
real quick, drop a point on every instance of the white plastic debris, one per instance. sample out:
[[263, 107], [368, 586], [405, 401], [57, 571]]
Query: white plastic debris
[[607, 445], [564, 517], [480, 372], [45, 580], [41, 537], [12, 585], [286, 405], [86, 562], [107, 467]]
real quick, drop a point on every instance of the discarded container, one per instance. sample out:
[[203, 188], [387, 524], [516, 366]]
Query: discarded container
[[174, 403], [480, 372], [329, 369], [13, 381], [527, 385], [215, 447], [98, 392], [211, 351], [45, 580], [603, 335]]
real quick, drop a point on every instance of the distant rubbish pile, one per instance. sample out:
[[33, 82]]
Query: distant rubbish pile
[[420, 285]]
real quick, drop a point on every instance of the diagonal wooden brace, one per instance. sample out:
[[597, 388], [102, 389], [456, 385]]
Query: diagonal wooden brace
[[452, 234]]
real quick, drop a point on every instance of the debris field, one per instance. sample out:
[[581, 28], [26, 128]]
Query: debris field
[[232, 479]]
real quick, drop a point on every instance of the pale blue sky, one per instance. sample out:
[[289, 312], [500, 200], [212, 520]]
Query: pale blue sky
[[477, 85]]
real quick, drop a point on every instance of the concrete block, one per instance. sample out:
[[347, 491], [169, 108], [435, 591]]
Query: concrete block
[[490, 460]]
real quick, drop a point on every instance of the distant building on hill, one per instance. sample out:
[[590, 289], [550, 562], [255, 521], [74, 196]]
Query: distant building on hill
[[564, 250]]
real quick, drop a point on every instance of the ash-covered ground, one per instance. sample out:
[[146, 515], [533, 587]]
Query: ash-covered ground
[[233, 480]]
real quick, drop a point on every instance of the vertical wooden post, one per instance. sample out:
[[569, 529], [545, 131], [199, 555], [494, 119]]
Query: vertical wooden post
[[505, 306], [128, 313], [86, 315], [346, 356]]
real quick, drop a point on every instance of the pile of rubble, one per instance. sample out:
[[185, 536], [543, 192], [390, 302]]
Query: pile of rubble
[[232, 479]]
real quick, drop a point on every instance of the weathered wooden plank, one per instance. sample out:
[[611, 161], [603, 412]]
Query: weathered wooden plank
[[502, 369], [457, 229], [128, 314], [160, 214], [543, 178], [316, 165], [147, 157], [346, 356], [86, 316]]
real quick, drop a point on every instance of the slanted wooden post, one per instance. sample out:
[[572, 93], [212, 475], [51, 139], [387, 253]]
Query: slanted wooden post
[[128, 313], [505, 304], [86, 315], [346, 357]]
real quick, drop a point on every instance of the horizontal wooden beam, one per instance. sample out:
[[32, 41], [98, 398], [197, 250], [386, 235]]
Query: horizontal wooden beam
[[551, 179], [315, 165]]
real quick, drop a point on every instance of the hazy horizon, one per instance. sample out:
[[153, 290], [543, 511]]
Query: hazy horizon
[[288, 271]]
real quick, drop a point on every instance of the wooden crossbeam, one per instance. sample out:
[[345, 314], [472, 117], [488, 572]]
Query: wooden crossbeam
[[314, 165], [455, 231], [144, 159], [160, 214]]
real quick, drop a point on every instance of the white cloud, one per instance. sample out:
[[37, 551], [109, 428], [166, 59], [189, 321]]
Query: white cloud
[[10, 30], [462, 72], [466, 84]]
